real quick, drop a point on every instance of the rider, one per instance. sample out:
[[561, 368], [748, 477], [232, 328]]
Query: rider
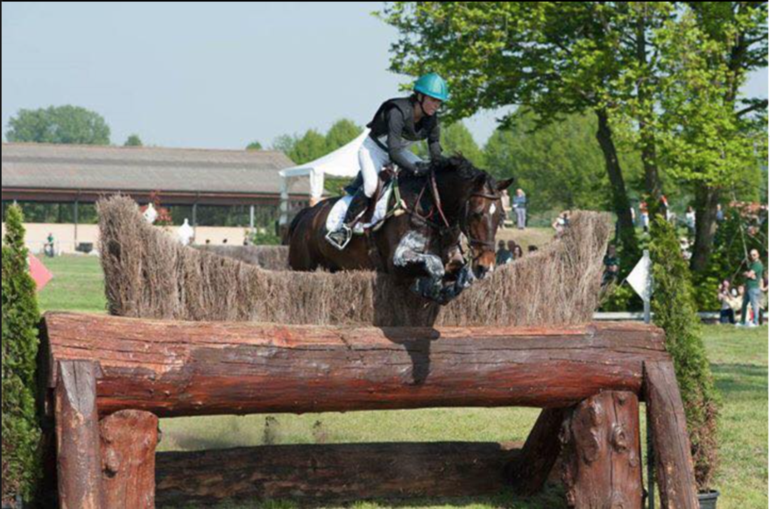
[[397, 124]]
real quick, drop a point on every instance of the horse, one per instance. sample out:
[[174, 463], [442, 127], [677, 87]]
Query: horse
[[424, 242]]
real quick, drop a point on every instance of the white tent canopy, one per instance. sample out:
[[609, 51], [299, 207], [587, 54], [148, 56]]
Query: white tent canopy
[[343, 162]]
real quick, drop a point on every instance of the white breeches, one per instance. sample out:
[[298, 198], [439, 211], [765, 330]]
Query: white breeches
[[372, 159]]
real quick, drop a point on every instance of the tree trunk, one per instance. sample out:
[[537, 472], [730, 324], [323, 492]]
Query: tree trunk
[[706, 200], [652, 183], [620, 201]]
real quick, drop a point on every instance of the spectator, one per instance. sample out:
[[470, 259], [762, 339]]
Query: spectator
[[506, 201], [532, 249], [518, 252], [48, 248], [503, 255], [611, 265], [753, 291], [633, 215], [645, 216], [720, 213], [520, 206], [689, 220], [664, 207], [561, 223], [727, 297]]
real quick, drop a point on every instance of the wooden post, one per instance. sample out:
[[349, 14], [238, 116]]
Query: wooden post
[[128, 440], [603, 467], [77, 430], [673, 458], [530, 470]]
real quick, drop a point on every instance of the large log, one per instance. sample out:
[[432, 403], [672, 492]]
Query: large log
[[128, 443], [336, 473], [603, 465], [77, 429], [193, 368], [675, 473]]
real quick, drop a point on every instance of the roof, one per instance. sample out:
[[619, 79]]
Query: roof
[[106, 168]]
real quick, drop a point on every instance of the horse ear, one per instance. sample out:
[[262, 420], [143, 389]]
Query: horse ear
[[504, 184]]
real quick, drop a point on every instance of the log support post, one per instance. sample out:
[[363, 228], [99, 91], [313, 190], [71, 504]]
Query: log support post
[[77, 431], [530, 471], [675, 473], [128, 441], [602, 462]]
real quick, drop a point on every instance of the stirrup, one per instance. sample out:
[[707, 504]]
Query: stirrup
[[340, 238]]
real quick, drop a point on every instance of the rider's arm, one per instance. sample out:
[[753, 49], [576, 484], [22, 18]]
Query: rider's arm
[[395, 141]]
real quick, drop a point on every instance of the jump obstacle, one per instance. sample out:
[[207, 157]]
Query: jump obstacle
[[108, 379]]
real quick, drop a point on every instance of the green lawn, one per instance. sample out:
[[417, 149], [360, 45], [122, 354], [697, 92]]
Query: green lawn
[[738, 357]]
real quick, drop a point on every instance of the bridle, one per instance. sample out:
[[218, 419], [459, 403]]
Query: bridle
[[464, 223], [446, 227]]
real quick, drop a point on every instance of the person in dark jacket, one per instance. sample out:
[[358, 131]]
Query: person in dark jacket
[[397, 125]]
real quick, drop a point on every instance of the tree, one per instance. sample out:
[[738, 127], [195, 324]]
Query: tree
[[21, 429], [559, 166], [681, 101], [555, 58], [309, 147], [254, 145], [62, 124], [675, 312], [341, 133], [133, 141]]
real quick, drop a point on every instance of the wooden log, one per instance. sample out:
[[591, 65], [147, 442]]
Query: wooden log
[[332, 473], [675, 473], [531, 469], [193, 368], [77, 432], [602, 461], [128, 440]]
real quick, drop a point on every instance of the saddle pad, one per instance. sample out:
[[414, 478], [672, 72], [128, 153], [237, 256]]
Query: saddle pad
[[337, 213]]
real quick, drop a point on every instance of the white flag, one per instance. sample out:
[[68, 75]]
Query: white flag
[[640, 278]]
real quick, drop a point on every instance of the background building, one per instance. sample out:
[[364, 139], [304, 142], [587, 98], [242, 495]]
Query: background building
[[222, 193]]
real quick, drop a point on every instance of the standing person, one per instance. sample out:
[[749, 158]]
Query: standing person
[[611, 265], [689, 220], [645, 216], [503, 255], [726, 297], [506, 201], [520, 206], [397, 124], [720, 213], [664, 207], [753, 291], [49, 248]]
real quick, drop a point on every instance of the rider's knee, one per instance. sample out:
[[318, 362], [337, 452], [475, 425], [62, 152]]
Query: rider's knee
[[370, 188]]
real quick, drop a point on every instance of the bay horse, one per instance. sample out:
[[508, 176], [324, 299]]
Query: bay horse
[[422, 244]]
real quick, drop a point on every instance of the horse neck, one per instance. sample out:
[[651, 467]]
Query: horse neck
[[454, 192]]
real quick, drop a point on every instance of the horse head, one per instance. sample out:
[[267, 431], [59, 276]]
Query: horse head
[[473, 200]]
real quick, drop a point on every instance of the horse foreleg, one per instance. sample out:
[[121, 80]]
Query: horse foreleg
[[411, 251]]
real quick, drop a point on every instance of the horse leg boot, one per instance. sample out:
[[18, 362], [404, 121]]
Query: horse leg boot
[[341, 237]]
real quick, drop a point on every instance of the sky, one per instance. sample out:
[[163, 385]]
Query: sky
[[209, 75]]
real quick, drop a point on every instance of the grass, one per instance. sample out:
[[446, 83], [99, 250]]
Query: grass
[[738, 358], [77, 285]]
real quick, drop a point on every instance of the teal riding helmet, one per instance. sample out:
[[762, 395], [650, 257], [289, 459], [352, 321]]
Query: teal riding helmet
[[433, 86]]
